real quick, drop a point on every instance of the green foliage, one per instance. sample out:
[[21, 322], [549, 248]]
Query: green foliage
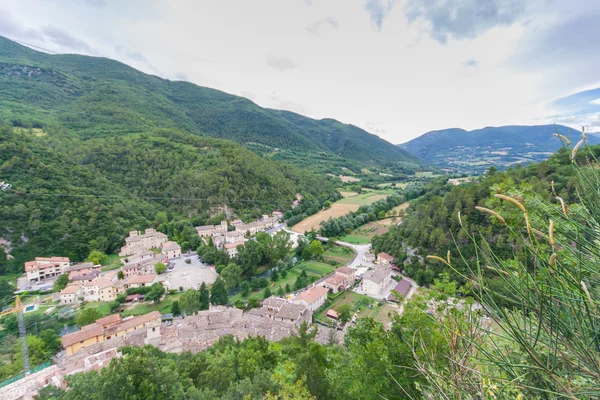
[[267, 293], [189, 302], [253, 302], [87, 316], [156, 292], [231, 274], [345, 313], [120, 275], [96, 257], [204, 298], [61, 282], [218, 293], [175, 310], [160, 267]]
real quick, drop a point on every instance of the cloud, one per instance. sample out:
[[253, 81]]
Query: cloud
[[581, 108], [182, 76], [133, 55], [95, 3], [65, 39], [317, 27], [282, 63], [471, 63], [12, 29], [378, 10], [249, 95], [282, 104], [463, 19]]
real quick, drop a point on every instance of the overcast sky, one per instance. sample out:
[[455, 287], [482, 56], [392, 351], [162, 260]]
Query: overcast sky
[[395, 68]]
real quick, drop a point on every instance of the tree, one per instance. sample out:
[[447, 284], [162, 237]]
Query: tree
[[316, 248], [231, 274], [274, 275], [344, 312], [189, 302], [161, 218], [288, 289], [280, 292], [114, 306], [381, 215], [61, 282], [96, 257], [204, 297], [218, 293], [156, 293], [121, 298], [239, 303], [245, 286], [160, 268], [253, 302], [120, 275], [87, 316], [267, 293], [175, 308]]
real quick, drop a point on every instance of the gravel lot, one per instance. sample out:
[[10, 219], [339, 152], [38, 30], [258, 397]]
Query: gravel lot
[[189, 276]]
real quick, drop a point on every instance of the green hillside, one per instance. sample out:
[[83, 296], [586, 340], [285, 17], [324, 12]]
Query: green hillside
[[97, 97]]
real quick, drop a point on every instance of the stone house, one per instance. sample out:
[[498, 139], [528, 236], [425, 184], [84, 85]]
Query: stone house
[[212, 230], [385, 259], [107, 328], [281, 310], [231, 248], [72, 294], [341, 280], [313, 297], [136, 281], [143, 267], [375, 281], [171, 250], [150, 239]]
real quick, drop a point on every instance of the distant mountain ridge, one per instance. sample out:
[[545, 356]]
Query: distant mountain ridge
[[98, 97], [461, 151]]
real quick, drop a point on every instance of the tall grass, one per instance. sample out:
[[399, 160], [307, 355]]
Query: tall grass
[[545, 336]]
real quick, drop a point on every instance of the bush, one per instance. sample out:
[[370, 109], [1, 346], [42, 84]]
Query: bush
[[160, 268], [253, 303], [188, 261]]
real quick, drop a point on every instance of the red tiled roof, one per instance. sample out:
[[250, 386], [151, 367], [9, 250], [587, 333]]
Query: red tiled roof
[[140, 279], [345, 270], [70, 289], [135, 321], [87, 332], [385, 256], [110, 320], [313, 294]]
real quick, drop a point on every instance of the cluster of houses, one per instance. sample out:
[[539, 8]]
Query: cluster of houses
[[110, 327], [138, 244], [88, 283], [229, 239]]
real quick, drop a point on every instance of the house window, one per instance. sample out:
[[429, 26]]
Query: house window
[[153, 329]]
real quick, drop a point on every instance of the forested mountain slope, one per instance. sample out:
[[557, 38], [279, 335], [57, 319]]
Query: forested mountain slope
[[97, 97], [431, 225], [504, 146], [71, 196]]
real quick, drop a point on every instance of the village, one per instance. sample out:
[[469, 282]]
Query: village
[[355, 284]]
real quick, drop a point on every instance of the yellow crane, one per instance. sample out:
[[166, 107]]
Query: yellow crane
[[18, 308]]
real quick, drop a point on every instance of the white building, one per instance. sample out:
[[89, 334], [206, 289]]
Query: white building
[[313, 297], [43, 268], [231, 248], [375, 281]]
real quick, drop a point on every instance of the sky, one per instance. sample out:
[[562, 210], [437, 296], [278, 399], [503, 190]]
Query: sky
[[396, 68]]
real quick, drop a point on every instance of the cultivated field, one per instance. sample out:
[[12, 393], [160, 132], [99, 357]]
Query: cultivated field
[[348, 194], [313, 222], [346, 178], [362, 199]]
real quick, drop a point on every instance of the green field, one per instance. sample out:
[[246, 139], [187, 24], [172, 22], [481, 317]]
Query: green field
[[359, 303], [356, 239], [342, 255], [367, 198], [317, 268], [112, 261], [144, 308]]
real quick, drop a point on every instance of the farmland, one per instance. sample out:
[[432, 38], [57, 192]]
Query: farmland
[[340, 208], [342, 255]]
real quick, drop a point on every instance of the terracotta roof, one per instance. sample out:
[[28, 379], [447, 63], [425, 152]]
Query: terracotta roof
[[135, 321], [87, 332], [171, 246], [311, 295], [110, 320], [336, 280], [70, 289], [345, 270], [332, 314], [385, 256], [140, 279]]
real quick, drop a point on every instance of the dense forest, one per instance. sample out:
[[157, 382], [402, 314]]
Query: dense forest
[[97, 97], [70, 196], [432, 226]]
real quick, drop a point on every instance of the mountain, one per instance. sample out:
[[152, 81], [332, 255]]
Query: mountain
[[96, 97], [462, 151]]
